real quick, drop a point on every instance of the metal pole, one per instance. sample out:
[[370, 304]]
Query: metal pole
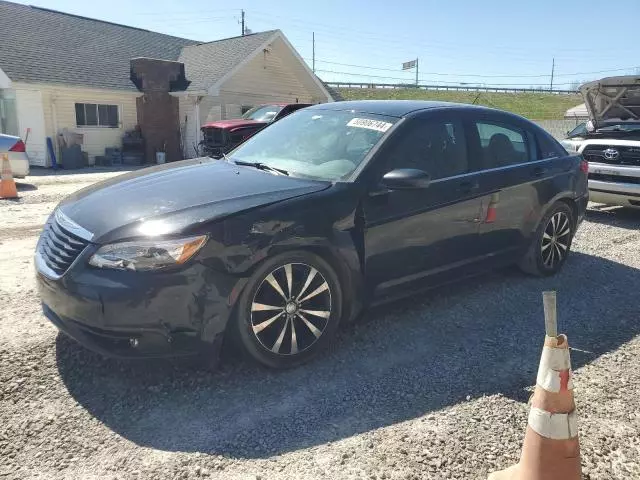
[[416, 72], [313, 36], [243, 30], [553, 68], [550, 314]]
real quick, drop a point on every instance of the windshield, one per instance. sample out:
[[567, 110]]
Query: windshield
[[262, 113], [323, 144], [579, 131], [622, 127]]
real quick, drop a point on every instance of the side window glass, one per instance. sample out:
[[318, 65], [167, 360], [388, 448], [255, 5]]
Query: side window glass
[[501, 145], [548, 147], [286, 110], [438, 147]]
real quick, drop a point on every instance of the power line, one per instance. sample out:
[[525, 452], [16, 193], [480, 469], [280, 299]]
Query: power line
[[190, 22], [349, 31], [491, 85], [452, 74], [432, 73], [191, 13]]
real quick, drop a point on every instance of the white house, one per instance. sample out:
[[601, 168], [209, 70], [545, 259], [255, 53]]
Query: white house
[[230, 76], [59, 71]]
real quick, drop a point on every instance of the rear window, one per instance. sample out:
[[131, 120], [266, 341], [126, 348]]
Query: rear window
[[502, 145], [548, 147]]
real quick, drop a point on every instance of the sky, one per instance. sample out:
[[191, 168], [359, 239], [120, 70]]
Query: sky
[[491, 42]]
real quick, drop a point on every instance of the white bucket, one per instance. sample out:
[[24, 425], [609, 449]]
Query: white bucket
[[160, 157]]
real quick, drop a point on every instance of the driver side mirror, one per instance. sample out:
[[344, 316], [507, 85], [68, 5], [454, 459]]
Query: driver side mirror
[[406, 179]]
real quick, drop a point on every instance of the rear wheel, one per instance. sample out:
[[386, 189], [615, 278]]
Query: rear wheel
[[551, 243], [289, 310]]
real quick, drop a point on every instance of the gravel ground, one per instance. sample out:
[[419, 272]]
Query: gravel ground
[[430, 387]]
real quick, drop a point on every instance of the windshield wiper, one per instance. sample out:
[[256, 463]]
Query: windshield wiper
[[262, 166]]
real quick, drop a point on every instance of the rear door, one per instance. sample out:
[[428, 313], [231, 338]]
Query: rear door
[[411, 234], [516, 182]]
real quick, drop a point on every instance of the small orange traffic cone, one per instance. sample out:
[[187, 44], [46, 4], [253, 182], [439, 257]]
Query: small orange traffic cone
[[551, 450], [7, 184], [491, 208]]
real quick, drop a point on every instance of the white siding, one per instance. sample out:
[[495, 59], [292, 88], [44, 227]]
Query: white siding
[[30, 117], [58, 103], [266, 78], [187, 125], [210, 111], [233, 110]]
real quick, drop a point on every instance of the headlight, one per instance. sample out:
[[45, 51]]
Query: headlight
[[146, 255]]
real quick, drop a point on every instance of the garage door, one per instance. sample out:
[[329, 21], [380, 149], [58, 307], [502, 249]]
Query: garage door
[[31, 115]]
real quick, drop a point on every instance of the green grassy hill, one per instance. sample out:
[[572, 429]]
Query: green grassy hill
[[535, 106]]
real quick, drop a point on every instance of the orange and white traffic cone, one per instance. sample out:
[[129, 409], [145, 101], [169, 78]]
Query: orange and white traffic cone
[[7, 184], [551, 450], [491, 208]]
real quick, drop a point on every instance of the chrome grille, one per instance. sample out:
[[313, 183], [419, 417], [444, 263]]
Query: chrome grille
[[58, 247], [625, 155]]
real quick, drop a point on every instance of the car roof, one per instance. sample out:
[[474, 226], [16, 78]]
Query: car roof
[[393, 108]]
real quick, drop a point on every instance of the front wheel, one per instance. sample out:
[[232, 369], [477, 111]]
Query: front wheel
[[289, 309], [551, 242]]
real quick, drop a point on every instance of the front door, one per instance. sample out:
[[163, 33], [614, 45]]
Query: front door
[[410, 234]]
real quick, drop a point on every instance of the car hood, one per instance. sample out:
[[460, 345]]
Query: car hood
[[231, 124], [613, 100], [170, 198]]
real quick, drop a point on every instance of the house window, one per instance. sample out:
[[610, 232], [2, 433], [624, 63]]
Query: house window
[[94, 115]]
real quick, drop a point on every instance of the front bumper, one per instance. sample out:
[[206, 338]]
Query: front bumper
[[615, 193], [135, 315], [614, 185]]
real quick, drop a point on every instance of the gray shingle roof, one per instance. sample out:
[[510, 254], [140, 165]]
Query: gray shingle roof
[[207, 63], [44, 46]]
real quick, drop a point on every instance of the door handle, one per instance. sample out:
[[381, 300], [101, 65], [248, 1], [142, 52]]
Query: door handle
[[468, 187], [539, 171]]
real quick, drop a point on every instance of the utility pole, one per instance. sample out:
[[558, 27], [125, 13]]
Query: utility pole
[[553, 68], [417, 72], [243, 30], [313, 36]]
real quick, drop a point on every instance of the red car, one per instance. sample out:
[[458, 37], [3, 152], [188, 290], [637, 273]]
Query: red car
[[224, 135]]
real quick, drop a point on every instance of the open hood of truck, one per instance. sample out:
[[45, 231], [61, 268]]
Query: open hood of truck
[[613, 100]]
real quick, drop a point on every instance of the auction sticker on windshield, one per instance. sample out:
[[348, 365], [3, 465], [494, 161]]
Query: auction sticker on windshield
[[377, 125]]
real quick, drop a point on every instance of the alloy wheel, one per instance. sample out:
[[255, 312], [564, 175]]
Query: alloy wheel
[[555, 240], [291, 309]]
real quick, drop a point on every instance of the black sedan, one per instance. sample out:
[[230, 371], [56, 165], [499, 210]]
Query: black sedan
[[332, 209]]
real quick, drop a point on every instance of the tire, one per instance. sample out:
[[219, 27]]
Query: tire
[[551, 243], [273, 320]]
